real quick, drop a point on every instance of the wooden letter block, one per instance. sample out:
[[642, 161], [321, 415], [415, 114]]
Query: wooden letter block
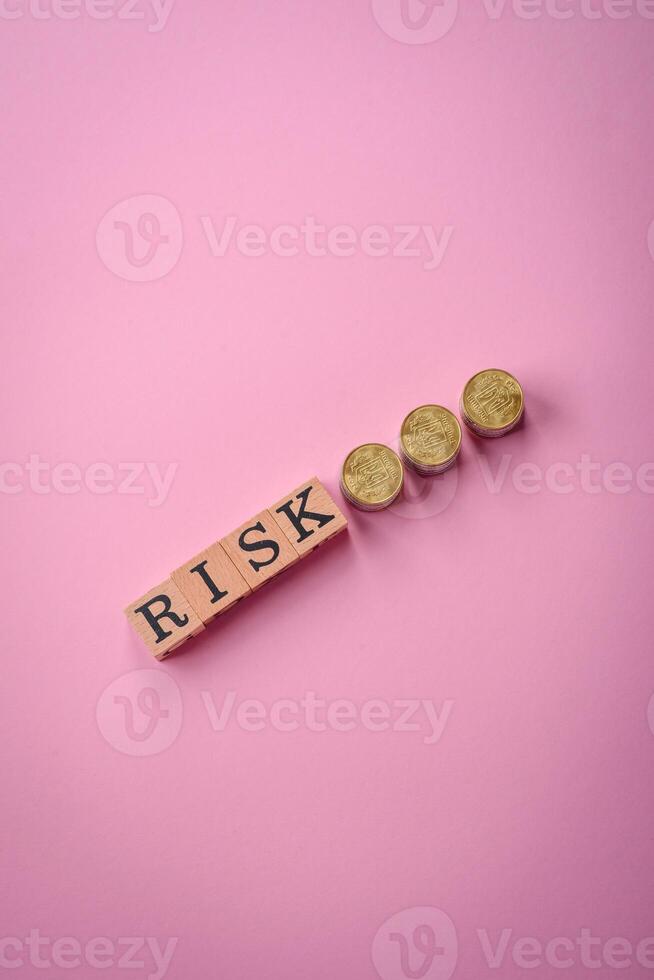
[[308, 516], [259, 549], [211, 582], [163, 618]]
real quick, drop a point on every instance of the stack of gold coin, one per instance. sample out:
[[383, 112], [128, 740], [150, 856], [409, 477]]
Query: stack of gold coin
[[430, 439], [372, 477], [492, 403]]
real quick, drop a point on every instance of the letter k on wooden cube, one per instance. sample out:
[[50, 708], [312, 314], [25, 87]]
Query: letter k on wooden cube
[[308, 516]]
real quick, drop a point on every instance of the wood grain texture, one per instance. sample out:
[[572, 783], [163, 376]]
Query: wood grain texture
[[259, 549], [308, 516], [163, 618], [211, 582]]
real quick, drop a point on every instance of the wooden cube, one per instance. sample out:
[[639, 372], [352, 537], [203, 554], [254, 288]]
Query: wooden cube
[[308, 516], [211, 582], [164, 619], [259, 549]]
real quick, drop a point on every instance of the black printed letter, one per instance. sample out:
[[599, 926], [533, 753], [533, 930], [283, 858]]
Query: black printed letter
[[216, 594], [166, 613], [257, 545], [303, 514]]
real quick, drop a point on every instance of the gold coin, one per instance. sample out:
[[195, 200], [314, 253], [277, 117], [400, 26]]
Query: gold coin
[[372, 476], [430, 439], [492, 403]]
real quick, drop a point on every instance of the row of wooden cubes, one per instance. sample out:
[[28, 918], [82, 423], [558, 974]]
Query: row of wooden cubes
[[234, 567]]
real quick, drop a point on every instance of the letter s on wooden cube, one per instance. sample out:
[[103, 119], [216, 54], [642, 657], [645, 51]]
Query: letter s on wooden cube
[[259, 549]]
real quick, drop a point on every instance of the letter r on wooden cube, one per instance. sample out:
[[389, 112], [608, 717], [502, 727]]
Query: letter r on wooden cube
[[211, 582], [308, 516], [259, 550], [163, 618]]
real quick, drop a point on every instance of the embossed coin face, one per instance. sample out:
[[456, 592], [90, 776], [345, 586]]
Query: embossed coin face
[[492, 403], [430, 439], [372, 476]]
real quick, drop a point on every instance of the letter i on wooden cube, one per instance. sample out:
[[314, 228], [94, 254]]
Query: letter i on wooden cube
[[308, 516], [164, 619], [211, 582], [259, 550]]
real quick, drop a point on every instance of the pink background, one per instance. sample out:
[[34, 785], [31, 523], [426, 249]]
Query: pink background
[[280, 854]]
